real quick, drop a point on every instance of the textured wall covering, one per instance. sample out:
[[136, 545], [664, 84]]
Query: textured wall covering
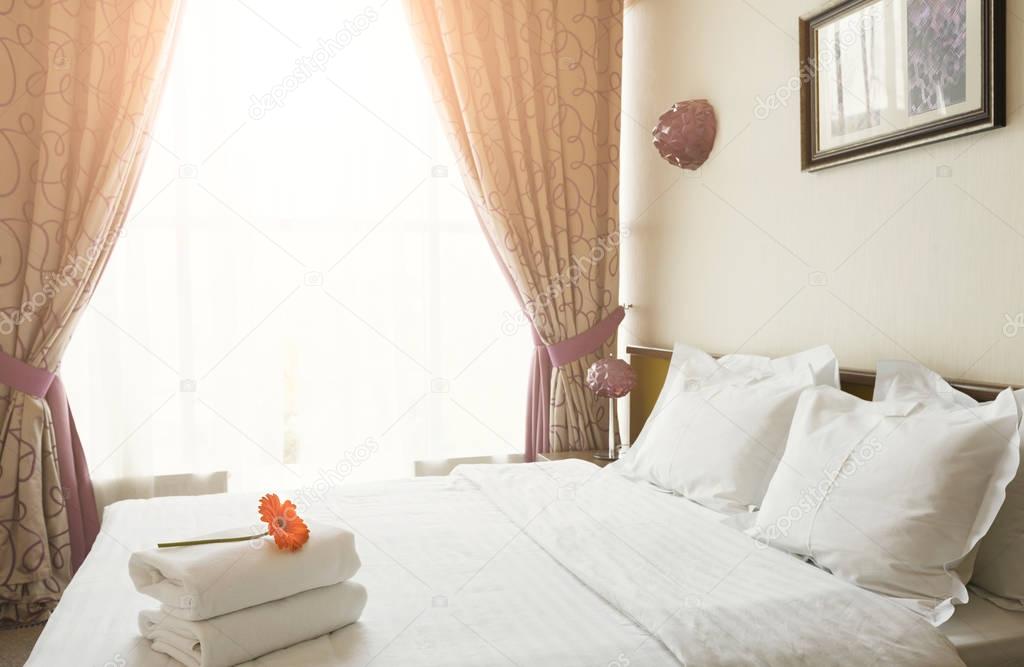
[[916, 255], [531, 93], [77, 86]]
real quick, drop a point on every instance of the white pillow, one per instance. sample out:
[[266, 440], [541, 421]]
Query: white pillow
[[889, 495], [999, 568], [718, 428]]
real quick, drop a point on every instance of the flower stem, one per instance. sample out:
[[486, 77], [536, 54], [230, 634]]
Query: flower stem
[[213, 540]]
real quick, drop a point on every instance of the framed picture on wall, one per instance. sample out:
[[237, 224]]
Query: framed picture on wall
[[879, 76]]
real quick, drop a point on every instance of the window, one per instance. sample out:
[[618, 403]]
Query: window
[[302, 285]]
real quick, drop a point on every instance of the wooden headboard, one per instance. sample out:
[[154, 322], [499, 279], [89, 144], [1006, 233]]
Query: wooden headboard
[[651, 366]]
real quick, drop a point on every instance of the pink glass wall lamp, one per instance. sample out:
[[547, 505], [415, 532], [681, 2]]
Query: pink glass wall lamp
[[686, 133]]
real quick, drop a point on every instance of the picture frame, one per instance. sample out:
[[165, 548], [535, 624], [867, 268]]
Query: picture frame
[[879, 76]]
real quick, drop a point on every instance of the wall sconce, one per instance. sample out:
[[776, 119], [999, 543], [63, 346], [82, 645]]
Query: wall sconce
[[686, 133]]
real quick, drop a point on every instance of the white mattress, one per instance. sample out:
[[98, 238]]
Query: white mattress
[[985, 635], [466, 570]]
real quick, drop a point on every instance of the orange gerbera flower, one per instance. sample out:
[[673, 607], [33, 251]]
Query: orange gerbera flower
[[283, 522]]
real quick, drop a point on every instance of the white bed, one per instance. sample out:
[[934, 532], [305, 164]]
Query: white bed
[[547, 564]]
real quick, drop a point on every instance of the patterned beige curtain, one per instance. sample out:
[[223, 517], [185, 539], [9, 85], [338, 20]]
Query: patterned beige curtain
[[78, 86], [531, 90]]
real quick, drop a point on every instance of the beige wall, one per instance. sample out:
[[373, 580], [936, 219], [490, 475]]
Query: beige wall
[[921, 252]]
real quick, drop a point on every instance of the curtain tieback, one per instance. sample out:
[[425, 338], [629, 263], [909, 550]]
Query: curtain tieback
[[23, 377], [581, 345], [83, 522]]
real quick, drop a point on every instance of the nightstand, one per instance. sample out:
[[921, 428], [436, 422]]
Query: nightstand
[[583, 455]]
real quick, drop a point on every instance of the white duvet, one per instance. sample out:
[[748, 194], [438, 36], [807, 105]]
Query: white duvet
[[545, 564]]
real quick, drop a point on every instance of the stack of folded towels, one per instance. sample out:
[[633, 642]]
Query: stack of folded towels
[[223, 604]]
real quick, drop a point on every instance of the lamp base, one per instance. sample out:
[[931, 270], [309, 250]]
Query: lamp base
[[605, 456]]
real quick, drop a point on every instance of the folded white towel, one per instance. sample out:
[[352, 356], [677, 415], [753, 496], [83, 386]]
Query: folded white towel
[[202, 581], [247, 634]]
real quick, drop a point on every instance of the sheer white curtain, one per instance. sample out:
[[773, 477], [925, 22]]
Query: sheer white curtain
[[302, 291]]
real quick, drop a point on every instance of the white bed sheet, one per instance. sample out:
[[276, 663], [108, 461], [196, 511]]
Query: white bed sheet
[[451, 581], [458, 576]]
